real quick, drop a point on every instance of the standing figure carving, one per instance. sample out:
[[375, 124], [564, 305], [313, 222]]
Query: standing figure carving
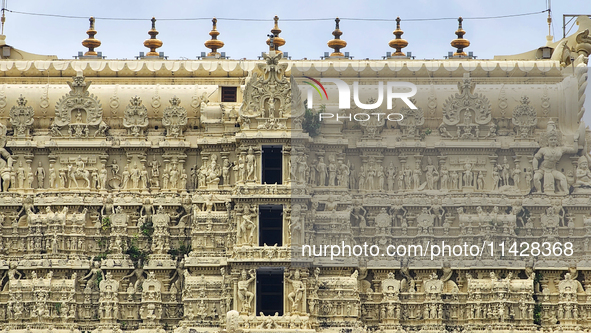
[[298, 291], [40, 173], [545, 163], [245, 296], [251, 166]]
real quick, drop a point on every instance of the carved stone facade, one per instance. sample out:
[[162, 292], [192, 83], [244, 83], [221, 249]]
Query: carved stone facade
[[153, 219]]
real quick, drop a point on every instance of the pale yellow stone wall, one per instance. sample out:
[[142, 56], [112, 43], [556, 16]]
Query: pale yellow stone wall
[[130, 196]]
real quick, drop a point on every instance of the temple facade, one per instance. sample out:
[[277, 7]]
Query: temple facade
[[156, 195]]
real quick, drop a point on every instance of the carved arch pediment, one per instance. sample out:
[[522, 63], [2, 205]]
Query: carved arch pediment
[[78, 100]]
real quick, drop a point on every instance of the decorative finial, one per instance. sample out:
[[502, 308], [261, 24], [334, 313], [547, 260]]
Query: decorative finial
[[460, 43], [277, 41], [91, 43], [153, 43], [214, 44], [549, 38], [337, 43], [398, 43]]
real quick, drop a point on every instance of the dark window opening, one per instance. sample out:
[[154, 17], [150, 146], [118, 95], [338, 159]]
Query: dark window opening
[[270, 291], [272, 166], [229, 94], [270, 225]]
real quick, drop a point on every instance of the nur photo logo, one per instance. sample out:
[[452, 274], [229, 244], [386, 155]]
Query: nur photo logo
[[344, 97]]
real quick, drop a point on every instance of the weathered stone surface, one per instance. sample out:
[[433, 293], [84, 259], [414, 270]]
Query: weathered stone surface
[[148, 220]]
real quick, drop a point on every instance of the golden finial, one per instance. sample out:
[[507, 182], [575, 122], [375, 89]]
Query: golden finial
[[460, 43], [337, 43], [398, 43], [153, 43], [91, 43], [214, 44], [277, 41]]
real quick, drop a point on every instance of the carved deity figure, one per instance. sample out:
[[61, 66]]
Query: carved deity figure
[[516, 174], [213, 172], [144, 177], [391, 176], [125, 174], [173, 174], [358, 214], [383, 220], [155, 180], [247, 227], [343, 172], [226, 167], [444, 178], [6, 160], [583, 174], [138, 272], [12, 274], [30, 177], [298, 290], [480, 181], [240, 169], [92, 276], [245, 296], [20, 175], [468, 176], [455, 182], [52, 173], [179, 274], [40, 173], [251, 166], [496, 178], [549, 157], [550, 219], [135, 174], [431, 174], [332, 171], [322, 170]]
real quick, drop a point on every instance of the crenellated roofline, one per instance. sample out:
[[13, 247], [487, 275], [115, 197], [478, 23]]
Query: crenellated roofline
[[240, 68]]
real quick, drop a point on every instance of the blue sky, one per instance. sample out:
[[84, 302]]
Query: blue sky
[[124, 39], [366, 39]]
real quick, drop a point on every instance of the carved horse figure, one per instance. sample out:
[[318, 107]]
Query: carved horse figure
[[75, 174]]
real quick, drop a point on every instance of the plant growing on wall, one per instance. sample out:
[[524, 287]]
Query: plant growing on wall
[[180, 252], [311, 123], [136, 254]]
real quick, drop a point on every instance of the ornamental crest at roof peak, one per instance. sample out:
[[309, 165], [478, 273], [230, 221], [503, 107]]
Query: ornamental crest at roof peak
[[135, 117], [268, 95], [21, 117], [174, 118], [466, 103], [80, 111], [78, 99]]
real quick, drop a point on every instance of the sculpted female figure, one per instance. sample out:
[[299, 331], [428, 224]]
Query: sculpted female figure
[[139, 275], [295, 297], [174, 176], [244, 295], [94, 270], [12, 274], [391, 175], [250, 165], [431, 174]]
